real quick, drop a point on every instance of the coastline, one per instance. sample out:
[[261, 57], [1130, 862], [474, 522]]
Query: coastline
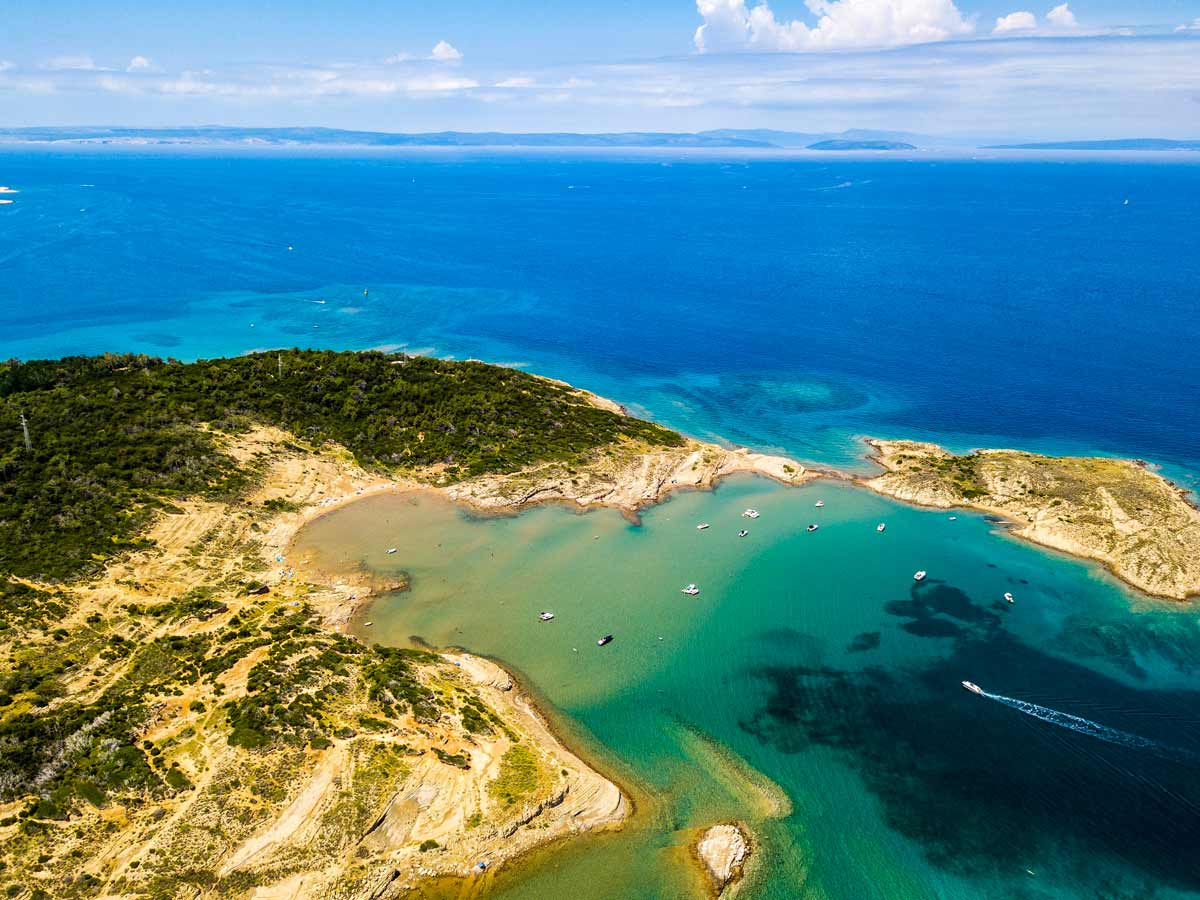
[[1098, 528]]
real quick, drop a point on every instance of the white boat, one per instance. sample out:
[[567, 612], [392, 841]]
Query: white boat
[[607, 639], [691, 590], [743, 533], [919, 575], [813, 527], [953, 518], [391, 549], [701, 526], [819, 504], [880, 527], [545, 616], [973, 687], [1008, 596], [751, 514]]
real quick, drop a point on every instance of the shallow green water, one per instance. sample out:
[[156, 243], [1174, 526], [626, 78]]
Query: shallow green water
[[814, 659]]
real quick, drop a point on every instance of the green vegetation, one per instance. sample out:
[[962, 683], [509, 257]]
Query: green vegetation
[[963, 473], [519, 776], [116, 436]]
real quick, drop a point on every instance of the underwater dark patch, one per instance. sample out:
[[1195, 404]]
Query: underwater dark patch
[[868, 640], [939, 628], [987, 790]]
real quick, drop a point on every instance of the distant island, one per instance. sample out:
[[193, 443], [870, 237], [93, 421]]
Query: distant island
[[1118, 144], [861, 145], [221, 136]]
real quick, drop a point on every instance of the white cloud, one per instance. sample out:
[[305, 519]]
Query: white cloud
[[139, 64], [1018, 21], [398, 58], [518, 82], [6, 66], [445, 52], [731, 25], [1194, 26], [1062, 17]]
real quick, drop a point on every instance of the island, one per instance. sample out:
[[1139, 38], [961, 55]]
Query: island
[[861, 145], [1115, 144], [182, 710], [1115, 511]]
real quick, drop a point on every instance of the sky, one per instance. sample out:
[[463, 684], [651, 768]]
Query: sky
[[1009, 69]]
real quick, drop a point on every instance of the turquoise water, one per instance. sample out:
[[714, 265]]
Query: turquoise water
[[815, 659]]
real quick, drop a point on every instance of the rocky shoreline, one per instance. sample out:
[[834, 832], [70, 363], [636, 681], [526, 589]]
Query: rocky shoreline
[[1117, 512]]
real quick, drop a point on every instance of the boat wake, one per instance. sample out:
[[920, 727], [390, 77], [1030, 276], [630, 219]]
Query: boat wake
[[1080, 725]]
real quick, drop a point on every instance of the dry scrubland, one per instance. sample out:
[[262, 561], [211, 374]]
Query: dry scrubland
[[281, 757]]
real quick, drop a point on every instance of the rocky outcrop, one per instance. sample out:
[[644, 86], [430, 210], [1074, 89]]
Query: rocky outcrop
[[1116, 511], [724, 849], [627, 477]]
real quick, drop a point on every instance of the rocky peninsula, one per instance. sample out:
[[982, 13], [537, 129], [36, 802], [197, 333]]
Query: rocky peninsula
[[1115, 511]]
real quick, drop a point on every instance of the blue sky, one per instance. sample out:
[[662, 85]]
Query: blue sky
[[1004, 68]]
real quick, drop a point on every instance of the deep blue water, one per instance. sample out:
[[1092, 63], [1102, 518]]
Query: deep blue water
[[782, 303]]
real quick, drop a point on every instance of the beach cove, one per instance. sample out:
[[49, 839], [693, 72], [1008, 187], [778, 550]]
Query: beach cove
[[813, 660]]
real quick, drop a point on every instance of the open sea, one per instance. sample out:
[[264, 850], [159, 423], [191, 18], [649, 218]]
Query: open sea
[[792, 304]]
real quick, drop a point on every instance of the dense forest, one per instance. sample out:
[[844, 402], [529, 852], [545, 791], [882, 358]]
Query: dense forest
[[114, 437]]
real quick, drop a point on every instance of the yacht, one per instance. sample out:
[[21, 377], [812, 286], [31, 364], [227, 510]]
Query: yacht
[[691, 590], [819, 504], [391, 549], [751, 514], [701, 526], [880, 527], [743, 533], [545, 616], [919, 575], [1008, 596], [607, 639], [973, 687], [813, 527]]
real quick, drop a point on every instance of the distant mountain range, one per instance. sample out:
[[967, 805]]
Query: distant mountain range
[[224, 136], [1119, 144]]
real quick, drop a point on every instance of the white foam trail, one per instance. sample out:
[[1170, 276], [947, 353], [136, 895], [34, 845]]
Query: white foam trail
[[1090, 728]]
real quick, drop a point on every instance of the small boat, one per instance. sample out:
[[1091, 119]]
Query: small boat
[[751, 514], [368, 624], [880, 527], [973, 687], [743, 533], [819, 504], [607, 639], [919, 575], [813, 527], [953, 518], [691, 590], [702, 526], [1008, 596], [391, 549], [545, 616]]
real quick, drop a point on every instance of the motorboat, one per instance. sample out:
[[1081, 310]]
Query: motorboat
[[813, 527], [391, 549], [743, 533], [919, 575], [880, 527], [691, 590], [702, 526], [819, 504], [1008, 596], [973, 687], [751, 514], [545, 616], [607, 639]]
